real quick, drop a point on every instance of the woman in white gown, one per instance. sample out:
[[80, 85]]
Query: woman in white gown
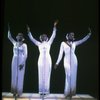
[[44, 60], [18, 63], [70, 62]]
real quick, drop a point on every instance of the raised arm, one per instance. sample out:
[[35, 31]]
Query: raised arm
[[31, 37], [10, 37], [60, 54], [84, 39], [53, 33]]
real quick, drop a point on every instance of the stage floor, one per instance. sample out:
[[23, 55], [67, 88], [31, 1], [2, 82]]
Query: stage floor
[[36, 96]]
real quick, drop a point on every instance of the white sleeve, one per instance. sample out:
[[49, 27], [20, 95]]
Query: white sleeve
[[82, 40], [33, 39], [53, 35], [60, 54], [25, 53], [10, 38]]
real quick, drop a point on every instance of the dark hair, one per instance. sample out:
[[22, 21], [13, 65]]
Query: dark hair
[[20, 34]]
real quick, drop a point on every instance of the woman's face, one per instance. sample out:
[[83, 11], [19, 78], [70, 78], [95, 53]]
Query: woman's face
[[71, 36], [19, 37], [43, 37]]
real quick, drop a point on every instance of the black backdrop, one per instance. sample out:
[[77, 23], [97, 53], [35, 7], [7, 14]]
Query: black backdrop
[[73, 15]]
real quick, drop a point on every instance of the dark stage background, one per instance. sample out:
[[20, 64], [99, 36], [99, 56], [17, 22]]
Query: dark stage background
[[73, 15]]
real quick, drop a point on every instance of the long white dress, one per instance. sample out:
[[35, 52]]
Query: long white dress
[[70, 64], [19, 57], [44, 62]]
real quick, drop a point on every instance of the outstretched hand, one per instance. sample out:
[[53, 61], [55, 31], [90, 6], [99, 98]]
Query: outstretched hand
[[8, 27], [21, 67], [56, 22], [89, 31], [28, 28]]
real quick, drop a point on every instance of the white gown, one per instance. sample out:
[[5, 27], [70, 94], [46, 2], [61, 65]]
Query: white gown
[[19, 57], [70, 64], [44, 63]]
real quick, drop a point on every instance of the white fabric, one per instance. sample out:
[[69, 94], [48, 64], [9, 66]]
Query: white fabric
[[70, 64], [19, 57], [44, 62]]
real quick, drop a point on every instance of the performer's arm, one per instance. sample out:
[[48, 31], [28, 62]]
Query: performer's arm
[[25, 52], [60, 54], [31, 37], [53, 33], [84, 39], [10, 38], [25, 56]]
